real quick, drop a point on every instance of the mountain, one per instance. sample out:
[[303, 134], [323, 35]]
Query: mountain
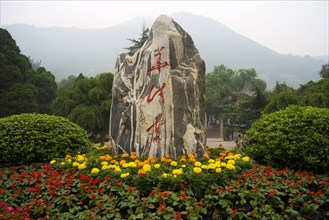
[[66, 51]]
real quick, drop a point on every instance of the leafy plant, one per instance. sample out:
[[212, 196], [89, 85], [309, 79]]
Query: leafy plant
[[296, 137], [30, 138]]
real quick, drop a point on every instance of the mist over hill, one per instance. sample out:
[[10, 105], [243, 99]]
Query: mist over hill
[[66, 51]]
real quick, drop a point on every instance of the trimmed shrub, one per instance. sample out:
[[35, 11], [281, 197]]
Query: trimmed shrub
[[296, 137], [32, 138]]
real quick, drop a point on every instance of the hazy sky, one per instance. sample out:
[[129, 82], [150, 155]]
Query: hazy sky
[[288, 27]]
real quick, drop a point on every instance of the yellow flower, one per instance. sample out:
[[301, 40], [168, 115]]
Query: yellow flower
[[229, 157], [63, 163], [80, 158], [173, 163], [246, 159], [231, 162], [132, 164], [230, 166], [183, 165], [69, 160], [197, 169], [237, 156], [205, 167], [198, 164], [211, 161], [147, 167], [223, 164], [177, 171], [218, 164], [212, 166], [75, 164], [125, 165], [218, 170], [95, 170], [104, 163], [53, 161], [82, 166], [157, 166], [124, 175], [165, 175], [118, 169], [105, 167]]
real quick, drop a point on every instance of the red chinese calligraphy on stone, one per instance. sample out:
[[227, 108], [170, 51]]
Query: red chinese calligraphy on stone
[[160, 91], [159, 65], [156, 127]]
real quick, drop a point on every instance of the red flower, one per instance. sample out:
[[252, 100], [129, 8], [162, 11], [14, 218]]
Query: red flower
[[130, 189], [178, 215], [162, 208], [183, 196], [320, 192], [234, 212], [229, 189], [219, 190], [164, 194]]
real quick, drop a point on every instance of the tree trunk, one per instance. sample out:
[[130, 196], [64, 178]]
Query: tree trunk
[[102, 139], [221, 129]]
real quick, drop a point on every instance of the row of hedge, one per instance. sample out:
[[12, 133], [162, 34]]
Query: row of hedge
[[296, 137]]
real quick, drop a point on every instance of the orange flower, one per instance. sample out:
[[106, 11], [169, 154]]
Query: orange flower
[[125, 155], [102, 157], [183, 159], [141, 172], [108, 157], [133, 157], [137, 161], [122, 162], [168, 156], [220, 145], [192, 159], [206, 156]]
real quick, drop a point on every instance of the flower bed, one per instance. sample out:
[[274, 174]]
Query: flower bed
[[105, 186]]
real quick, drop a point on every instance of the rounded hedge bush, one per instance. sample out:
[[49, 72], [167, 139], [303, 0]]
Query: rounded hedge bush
[[296, 137], [32, 138]]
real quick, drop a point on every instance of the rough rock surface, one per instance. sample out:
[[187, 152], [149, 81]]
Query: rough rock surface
[[159, 96]]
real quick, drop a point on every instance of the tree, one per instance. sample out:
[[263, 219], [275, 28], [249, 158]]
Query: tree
[[138, 43], [87, 103], [235, 95], [67, 83], [22, 89], [281, 97], [324, 72]]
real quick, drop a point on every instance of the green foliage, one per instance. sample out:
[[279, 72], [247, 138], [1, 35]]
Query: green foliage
[[87, 103], [29, 138], [22, 89], [315, 93], [324, 72], [138, 43], [235, 95], [296, 137]]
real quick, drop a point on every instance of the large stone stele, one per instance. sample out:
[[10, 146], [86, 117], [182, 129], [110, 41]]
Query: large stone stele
[[159, 96]]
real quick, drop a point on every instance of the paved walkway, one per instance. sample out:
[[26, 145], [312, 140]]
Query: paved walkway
[[214, 142]]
